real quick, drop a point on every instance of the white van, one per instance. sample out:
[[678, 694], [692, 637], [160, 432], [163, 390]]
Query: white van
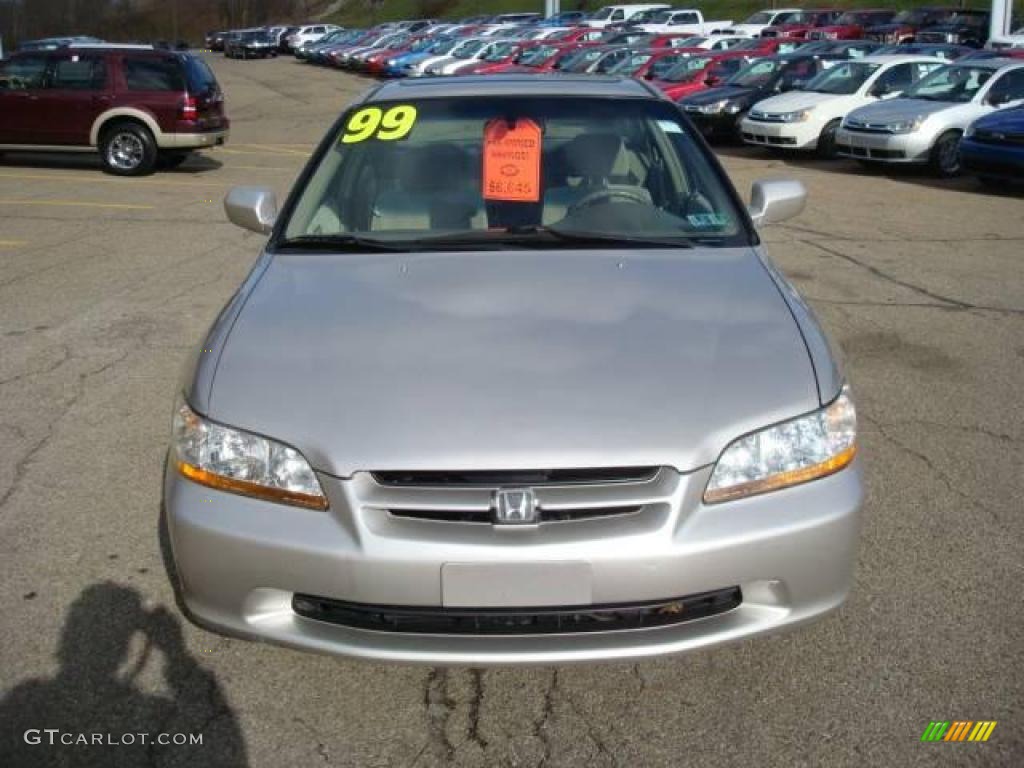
[[617, 14]]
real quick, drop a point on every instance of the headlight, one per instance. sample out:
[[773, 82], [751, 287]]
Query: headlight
[[391, 62], [240, 462], [906, 126], [713, 108], [796, 451], [795, 117]]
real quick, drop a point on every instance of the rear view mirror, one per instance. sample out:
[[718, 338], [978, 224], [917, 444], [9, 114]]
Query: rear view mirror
[[775, 200], [252, 208]]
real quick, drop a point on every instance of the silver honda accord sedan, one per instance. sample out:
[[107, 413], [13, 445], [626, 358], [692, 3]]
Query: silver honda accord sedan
[[513, 381]]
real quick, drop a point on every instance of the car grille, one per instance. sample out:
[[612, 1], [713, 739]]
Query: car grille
[[562, 495], [765, 117], [780, 141], [518, 621], [850, 125], [868, 154]]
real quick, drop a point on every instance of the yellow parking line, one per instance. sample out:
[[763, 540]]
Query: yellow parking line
[[12, 243], [264, 153], [78, 204], [94, 178], [262, 168]]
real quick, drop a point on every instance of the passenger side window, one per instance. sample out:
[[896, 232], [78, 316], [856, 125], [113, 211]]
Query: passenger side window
[[79, 73], [684, 18], [1009, 87], [152, 74], [619, 15], [23, 73]]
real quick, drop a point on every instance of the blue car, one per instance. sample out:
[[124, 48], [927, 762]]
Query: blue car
[[993, 147], [416, 52]]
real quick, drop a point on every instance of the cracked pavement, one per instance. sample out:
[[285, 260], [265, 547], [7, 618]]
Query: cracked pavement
[[920, 282]]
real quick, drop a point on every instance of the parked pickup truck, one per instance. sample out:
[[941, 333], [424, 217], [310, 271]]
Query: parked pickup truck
[[689, 21], [754, 25]]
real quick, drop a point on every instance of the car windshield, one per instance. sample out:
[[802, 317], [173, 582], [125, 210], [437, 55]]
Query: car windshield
[[954, 83], [603, 13], [759, 18], [631, 64], [479, 172], [537, 56], [687, 69], [443, 46], [468, 48], [843, 78], [663, 65], [499, 51], [850, 18], [757, 74]]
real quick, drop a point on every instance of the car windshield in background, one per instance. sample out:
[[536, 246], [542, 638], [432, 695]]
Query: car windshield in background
[[513, 171], [950, 83], [759, 18], [631, 65], [687, 69], [757, 74], [537, 56], [843, 78], [499, 52], [468, 49]]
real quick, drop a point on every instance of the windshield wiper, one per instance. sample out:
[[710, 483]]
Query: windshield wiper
[[339, 243], [534, 235]]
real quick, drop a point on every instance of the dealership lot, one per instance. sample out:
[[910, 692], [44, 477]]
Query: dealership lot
[[106, 284]]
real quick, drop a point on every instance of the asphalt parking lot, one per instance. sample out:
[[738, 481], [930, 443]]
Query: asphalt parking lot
[[106, 283]]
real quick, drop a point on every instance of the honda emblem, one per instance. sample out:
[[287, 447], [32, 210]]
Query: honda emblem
[[516, 506]]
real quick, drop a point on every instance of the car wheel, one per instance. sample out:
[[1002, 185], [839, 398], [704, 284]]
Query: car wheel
[[945, 157], [128, 149], [737, 130], [170, 160], [827, 141]]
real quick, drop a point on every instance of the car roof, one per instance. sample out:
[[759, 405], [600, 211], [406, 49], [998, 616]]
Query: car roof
[[897, 58], [585, 86]]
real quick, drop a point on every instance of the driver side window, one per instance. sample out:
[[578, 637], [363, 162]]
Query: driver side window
[[1009, 87], [24, 73]]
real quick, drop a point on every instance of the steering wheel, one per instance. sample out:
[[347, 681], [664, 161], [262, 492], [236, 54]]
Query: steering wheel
[[608, 194]]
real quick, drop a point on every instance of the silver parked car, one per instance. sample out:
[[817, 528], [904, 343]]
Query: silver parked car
[[926, 124], [513, 381]]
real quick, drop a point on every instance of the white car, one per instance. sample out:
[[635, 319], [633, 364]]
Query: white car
[[467, 51], [754, 25], [675, 21], [309, 34], [1013, 40], [619, 14], [925, 125], [711, 42], [808, 118]]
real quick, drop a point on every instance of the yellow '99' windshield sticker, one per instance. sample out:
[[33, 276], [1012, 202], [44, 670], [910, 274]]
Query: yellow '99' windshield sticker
[[375, 123]]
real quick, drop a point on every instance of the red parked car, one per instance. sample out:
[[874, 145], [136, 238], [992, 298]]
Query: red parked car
[[800, 23], [699, 72], [137, 106], [542, 58], [852, 25], [577, 35], [377, 64], [495, 59], [651, 64], [767, 46]]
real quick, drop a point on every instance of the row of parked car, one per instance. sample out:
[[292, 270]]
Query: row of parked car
[[876, 86]]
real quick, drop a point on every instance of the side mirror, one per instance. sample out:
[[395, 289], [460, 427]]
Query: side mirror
[[775, 200], [252, 208]]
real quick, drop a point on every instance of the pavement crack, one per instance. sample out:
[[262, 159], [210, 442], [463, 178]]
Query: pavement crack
[[439, 706], [540, 726], [926, 460], [921, 291], [64, 357], [475, 703]]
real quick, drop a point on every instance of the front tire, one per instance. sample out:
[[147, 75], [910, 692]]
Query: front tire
[[945, 156], [827, 141], [128, 149]]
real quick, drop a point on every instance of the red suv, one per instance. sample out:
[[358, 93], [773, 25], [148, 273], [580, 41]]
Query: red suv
[[139, 107]]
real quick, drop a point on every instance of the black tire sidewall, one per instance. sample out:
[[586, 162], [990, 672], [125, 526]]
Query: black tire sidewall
[[826, 148], [149, 149], [936, 158]]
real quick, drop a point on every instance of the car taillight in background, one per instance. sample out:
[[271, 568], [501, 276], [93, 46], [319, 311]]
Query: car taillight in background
[[189, 109]]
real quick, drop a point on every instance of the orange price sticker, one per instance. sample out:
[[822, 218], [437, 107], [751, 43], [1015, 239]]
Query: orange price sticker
[[512, 161]]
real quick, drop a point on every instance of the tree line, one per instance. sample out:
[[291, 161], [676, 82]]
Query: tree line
[[143, 20]]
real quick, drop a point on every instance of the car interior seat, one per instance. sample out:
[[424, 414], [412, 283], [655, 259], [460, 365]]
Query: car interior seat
[[435, 189]]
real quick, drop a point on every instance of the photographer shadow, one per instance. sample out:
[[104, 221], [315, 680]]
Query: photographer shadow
[[96, 692]]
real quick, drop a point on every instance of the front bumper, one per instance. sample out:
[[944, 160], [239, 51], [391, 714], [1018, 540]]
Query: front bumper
[[241, 561], [912, 147], [714, 125], [1001, 161], [780, 135]]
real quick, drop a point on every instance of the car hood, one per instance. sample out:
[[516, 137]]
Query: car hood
[[513, 360], [891, 110], [731, 92], [795, 100]]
